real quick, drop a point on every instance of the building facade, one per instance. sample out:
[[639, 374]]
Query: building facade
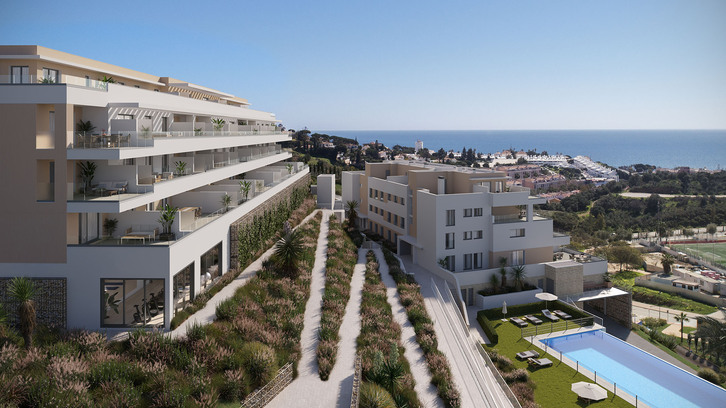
[[460, 223], [124, 184]]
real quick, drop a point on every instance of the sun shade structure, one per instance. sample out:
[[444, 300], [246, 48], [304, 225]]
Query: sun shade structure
[[546, 297], [589, 391]]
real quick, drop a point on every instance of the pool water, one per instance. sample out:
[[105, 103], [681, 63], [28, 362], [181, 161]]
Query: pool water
[[655, 382]]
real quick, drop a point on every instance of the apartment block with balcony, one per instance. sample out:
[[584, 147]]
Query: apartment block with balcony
[[95, 155], [458, 223]]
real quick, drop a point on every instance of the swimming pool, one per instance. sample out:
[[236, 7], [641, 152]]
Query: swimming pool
[[655, 382]]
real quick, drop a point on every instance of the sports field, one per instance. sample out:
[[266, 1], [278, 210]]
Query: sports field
[[711, 252]]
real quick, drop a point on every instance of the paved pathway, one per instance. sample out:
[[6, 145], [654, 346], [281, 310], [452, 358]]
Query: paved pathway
[[308, 390], [208, 313], [427, 392]]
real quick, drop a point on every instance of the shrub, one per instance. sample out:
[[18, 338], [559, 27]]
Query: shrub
[[709, 375], [374, 396], [115, 371], [119, 394], [259, 363], [488, 327], [233, 388], [516, 376]]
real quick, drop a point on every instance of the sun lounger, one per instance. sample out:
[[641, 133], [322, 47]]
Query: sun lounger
[[549, 315], [539, 362], [562, 314], [533, 319], [519, 322], [526, 355]]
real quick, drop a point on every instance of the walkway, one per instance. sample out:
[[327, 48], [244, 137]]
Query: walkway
[[427, 392], [476, 384], [308, 390], [208, 313]]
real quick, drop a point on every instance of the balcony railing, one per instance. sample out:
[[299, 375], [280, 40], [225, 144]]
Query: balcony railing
[[64, 79], [146, 184], [198, 222], [119, 140]]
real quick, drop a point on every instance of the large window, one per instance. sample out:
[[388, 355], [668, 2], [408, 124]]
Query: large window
[[19, 75], [450, 217], [468, 261], [517, 258], [451, 263], [211, 266], [183, 287], [450, 240], [478, 260], [51, 76], [132, 302]]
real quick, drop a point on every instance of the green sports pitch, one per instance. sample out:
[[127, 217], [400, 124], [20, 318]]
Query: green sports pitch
[[711, 251]]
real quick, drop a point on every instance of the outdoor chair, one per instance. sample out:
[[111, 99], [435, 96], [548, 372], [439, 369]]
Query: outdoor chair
[[526, 355], [549, 315], [533, 319], [539, 362], [519, 322], [562, 314]]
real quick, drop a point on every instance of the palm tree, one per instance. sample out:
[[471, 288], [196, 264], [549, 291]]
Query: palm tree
[[503, 271], [351, 209], [713, 332], [494, 281], [518, 274], [288, 251], [667, 260], [22, 290], [681, 318], [244, 188]]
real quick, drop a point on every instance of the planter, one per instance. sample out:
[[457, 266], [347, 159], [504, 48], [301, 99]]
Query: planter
[[167, 236]]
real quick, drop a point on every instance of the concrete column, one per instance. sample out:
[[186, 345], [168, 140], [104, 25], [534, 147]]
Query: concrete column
[[530, 212]]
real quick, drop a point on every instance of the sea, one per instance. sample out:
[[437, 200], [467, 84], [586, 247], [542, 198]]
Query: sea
[[661, 148]]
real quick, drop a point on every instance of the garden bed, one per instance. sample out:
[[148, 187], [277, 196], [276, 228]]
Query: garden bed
[[342, 257]]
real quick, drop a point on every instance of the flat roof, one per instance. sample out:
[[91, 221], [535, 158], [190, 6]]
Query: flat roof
[[600, 294]]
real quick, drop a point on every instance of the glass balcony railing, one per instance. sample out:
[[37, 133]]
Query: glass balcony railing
[[49, 80], [119, 140]]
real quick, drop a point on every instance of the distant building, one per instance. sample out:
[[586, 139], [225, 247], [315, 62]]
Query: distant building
[[522, 170], [544, 182], [419, 146], [594, 170]]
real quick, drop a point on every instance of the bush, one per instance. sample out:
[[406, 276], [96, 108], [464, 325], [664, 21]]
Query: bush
[[259, 363], [488, 327], [709, 375], [374, 396]]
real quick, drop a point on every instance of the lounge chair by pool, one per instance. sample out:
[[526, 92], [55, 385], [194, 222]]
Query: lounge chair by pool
[[562, 314], [539, 362], [519, 322], [533, 319], [549, 315], [524, 355]]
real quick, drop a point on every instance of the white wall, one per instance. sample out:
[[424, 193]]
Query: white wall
[[512, 299], [326, 190]]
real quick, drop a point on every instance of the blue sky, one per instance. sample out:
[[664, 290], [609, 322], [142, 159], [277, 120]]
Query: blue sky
[[388, 65]]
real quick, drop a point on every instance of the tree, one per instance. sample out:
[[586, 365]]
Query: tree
[[713, 333], [621, 253], [351, 209], [244, 188], [494, 281], [424, 153], [503, 271], [681, 318], [667, 260], [22, 290], [711, 229], [441, 154], [288, 252], [518, 274]]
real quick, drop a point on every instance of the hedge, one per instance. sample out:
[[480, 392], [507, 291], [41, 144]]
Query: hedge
[[487, 326]]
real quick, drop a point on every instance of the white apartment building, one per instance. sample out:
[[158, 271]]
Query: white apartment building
[[460, 222], [92, 154]]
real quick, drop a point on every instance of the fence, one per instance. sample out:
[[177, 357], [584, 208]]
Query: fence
[[474, 347], [262, 396], [355, 395], [561, 326]]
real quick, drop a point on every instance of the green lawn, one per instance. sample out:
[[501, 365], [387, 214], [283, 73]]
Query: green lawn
[[553, 383], [670, 300], [669, 351]]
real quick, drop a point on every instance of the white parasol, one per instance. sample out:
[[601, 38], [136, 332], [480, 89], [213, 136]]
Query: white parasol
[[504, 308], [546, 297], [589, 391]]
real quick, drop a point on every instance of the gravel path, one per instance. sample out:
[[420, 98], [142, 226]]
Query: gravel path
[[427, 392]]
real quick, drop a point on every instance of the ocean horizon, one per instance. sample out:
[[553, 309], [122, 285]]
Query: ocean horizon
[[662, 148]]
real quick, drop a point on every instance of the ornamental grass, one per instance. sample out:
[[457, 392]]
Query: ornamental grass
[[257, 331], [342, 257], [379, 342]]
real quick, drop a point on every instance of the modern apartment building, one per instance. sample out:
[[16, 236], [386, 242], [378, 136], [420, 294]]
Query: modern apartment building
[[94, 156], [461, 222]]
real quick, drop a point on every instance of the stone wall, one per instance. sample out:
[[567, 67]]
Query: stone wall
[[50, 301], [262, 396], [258, 211], [618, 308]]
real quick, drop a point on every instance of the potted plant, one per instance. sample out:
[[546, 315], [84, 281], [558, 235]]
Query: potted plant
[[145, 132], [607, 280], [110, 225], [218, 124], [88, 171], [181, 168], [289, 168], [111, 303], [226, 201], [166, 219], [244, 188], [197, 131]]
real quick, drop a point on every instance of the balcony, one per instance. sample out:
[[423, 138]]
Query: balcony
[[65, 79], [196, 209], [132, 139]]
